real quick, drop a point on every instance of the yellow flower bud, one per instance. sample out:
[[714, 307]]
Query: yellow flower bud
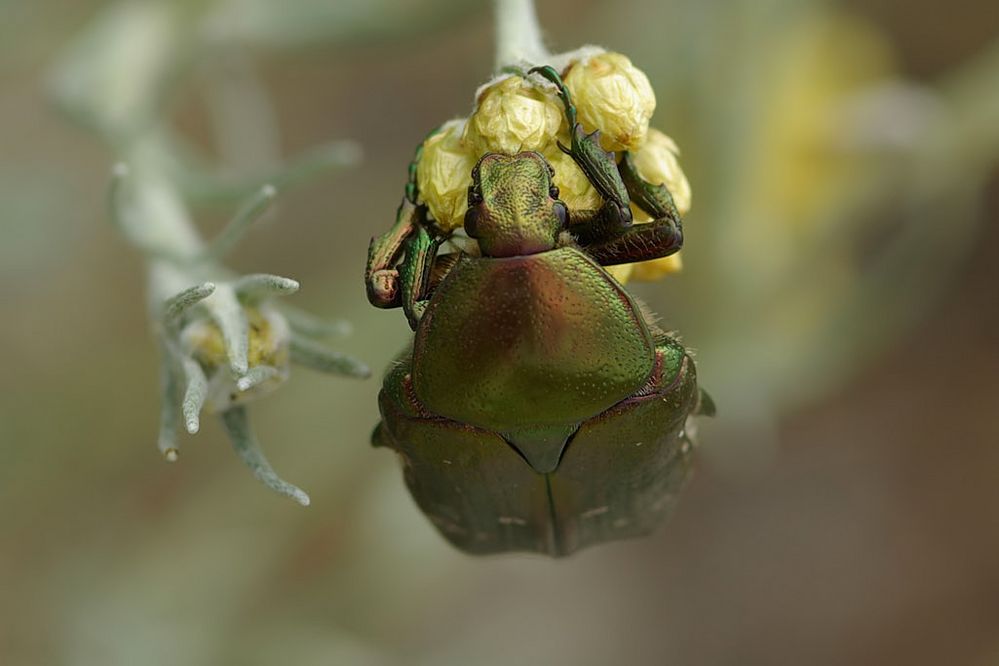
[[656, 162], [443, 175], [512, 115], [575, 189], [614, 96]]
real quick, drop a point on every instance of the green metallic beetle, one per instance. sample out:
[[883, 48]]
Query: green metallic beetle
[[539, 408]]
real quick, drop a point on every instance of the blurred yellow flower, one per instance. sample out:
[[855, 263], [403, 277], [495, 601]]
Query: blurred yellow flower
[[614, 96], [512, 115], [444, 173], [805, 167]]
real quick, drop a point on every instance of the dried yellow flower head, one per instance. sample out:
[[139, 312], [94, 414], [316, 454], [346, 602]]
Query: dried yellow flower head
[[513, 115], [614, 96], [443, 175], [268, 342], [656, 161], [575, 189]]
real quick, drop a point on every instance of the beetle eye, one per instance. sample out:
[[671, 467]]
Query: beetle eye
[[553, 192], [562, 212], [471, 220], [474, 196]]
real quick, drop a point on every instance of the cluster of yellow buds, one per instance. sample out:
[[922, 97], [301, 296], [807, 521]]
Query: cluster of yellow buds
[[513, 114]]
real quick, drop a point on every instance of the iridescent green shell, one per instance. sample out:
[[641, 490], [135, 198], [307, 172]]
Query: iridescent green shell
[[536, 410]]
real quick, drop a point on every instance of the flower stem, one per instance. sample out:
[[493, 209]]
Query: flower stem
[[518, 34]]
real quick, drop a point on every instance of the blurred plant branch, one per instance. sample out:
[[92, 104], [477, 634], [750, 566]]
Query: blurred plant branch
[[223, 339]]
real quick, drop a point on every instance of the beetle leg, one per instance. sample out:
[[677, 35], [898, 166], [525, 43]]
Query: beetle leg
[[598, 165], [641, 242], [382, 273], [415, 273], [442, 266], [656, 200], [659, 238], [705, 405], [381, 277], [608, 234]]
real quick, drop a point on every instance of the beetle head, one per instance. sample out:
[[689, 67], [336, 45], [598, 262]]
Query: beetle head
[[513, 207]]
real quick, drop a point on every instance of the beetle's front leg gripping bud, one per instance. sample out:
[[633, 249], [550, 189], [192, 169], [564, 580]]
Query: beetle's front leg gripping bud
[[657, 162], [585, 149], [549, 73], [601, 169]]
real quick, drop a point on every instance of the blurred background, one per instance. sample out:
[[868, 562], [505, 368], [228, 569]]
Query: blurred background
[[841, 287]]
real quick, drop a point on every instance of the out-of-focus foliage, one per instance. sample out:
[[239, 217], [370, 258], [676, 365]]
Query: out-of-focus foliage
[[835, 197], [822, 177], [222, 341]]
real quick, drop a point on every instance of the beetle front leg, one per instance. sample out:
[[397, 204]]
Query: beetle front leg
[[598, 165], [661, 237], [382, 274], [403, 268], [381, 278], [415, 273], [640, 242], [608, 234]]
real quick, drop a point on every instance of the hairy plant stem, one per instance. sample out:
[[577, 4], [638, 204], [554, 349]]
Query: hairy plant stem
[[518, 34]]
